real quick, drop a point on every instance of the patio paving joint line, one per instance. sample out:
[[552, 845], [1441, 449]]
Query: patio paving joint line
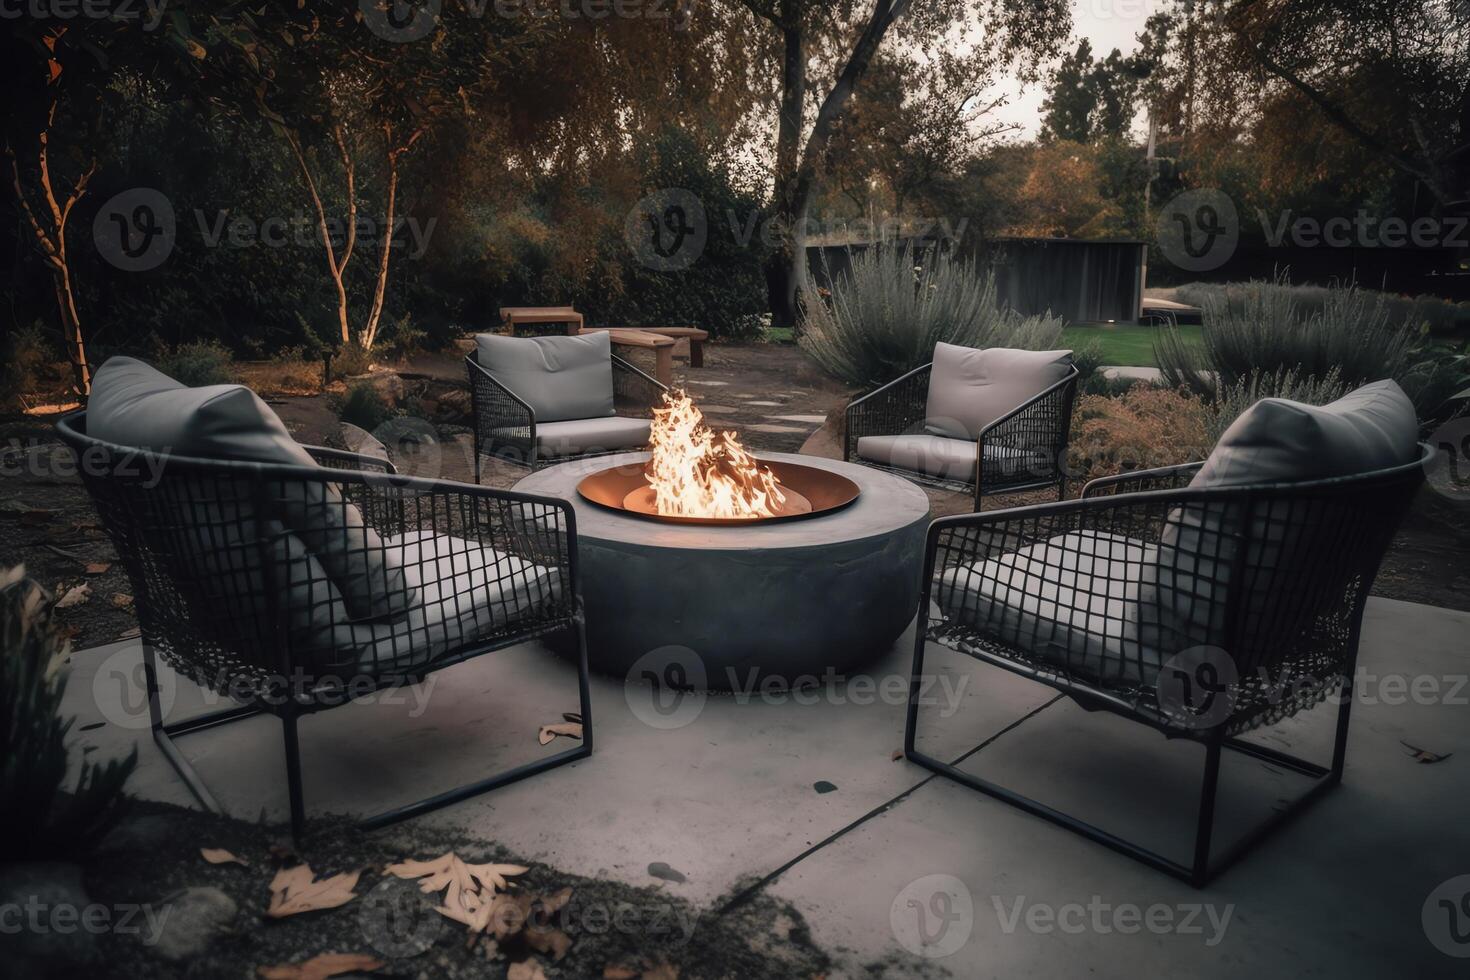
[[749, 892]]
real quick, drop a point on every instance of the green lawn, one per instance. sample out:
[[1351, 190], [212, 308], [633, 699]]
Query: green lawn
[[1124, 344]]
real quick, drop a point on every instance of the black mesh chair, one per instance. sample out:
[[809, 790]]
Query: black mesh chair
[[1203, 613], [233, 594], [1025, 449], [505, 425]]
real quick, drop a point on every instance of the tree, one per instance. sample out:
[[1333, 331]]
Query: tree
[[1091, 100], [332, 88], [824, 52], [1391, 75], [55, 67]]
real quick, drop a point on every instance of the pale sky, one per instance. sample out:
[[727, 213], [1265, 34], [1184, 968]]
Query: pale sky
[[1108, 24]]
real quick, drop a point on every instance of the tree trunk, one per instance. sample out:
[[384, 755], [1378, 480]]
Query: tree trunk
[[71, 330]]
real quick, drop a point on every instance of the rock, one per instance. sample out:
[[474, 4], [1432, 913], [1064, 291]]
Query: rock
[[53, 910], [454, 405], [190, 921], [389, 387], [356, 439], [659, 869]]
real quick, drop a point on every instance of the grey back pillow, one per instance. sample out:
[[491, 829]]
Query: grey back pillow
[[561, 378], [969, 389], [1273, 441], [133, 404]]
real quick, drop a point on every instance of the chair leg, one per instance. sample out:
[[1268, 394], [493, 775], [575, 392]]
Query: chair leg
[[293, 775], [1200, 871], [163, 733]]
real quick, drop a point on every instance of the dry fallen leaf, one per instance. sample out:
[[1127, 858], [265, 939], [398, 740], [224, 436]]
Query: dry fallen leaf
[[570, 729], [897, 754], [1424, 756], [544, 939], [664, 971], [218, 855], [323, 966], [75, 596], [525, 970], [469, 889], [296, 890], [97, 567], [121, 600]]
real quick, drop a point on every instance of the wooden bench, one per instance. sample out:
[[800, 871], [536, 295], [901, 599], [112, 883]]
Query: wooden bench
[[662, 347], [514, 316]]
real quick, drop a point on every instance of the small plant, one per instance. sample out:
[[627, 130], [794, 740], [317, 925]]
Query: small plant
[[1142, 428], [38, 817], [350, 361], [27, 354], [885, 315], [1232, 400], [202, 362], [1263, 330], [364, 407], [403, 339]]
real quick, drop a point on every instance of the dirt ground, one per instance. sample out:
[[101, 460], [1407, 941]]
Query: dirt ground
[[154, 854], [769, 393]]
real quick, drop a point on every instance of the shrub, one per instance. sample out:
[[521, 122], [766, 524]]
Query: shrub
[[1420, 312], [27, 355], [1262, 330], [38, 817], [1144, 427], [350, 360], [1232, 400], [364, 407], [203, 362], [886, 314]]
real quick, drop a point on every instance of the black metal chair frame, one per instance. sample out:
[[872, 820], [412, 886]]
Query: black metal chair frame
[[386, 501], [1126, 504], [505, 425], [1040, 424]]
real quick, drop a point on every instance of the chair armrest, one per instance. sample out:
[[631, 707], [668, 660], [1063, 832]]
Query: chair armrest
[[1040, 424], [342, 459], [1143, 481], [633, 389], [893, 409], [504, 423]]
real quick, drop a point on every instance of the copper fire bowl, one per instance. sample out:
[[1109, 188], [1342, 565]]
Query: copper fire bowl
[[810, 492]]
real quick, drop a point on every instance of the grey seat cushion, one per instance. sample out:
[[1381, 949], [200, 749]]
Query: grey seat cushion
[[1274, 441], [134, 405], [947, 459], [577, 436], [1069, 601], [559, 377], [969, 389]]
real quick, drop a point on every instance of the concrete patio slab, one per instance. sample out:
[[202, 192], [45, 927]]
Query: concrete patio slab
[[725, 790]]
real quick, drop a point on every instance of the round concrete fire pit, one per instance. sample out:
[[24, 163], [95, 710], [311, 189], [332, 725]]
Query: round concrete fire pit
[[783, 599]]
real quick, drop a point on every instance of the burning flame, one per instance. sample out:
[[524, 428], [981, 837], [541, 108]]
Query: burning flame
[[697, 473]]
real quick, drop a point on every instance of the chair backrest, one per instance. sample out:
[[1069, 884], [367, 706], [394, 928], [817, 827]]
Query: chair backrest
[[969, 389], [560, 378]]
